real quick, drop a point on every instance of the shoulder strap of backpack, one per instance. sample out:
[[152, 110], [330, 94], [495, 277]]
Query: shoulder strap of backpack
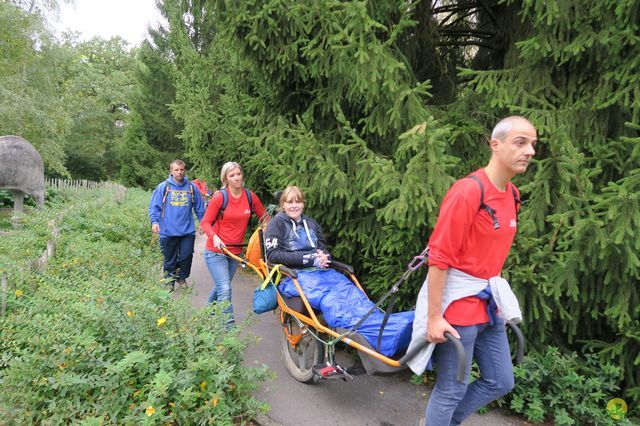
[[225, 201], [516, 200], [249, 198], [483, 206], [164, 196]]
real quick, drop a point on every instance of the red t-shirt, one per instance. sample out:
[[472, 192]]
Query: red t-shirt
[[464, 238], [233, 225], [201, 185]]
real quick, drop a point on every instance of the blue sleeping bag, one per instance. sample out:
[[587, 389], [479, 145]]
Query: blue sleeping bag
[[343, 304]]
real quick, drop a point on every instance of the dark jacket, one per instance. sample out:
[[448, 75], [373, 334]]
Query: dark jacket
[[293, 244]]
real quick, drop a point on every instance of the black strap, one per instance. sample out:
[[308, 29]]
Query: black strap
[[483, 206], [516, 199], [387, 314]]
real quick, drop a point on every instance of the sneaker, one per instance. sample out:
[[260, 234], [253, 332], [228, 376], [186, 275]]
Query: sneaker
[[169, 286], [182, 283]]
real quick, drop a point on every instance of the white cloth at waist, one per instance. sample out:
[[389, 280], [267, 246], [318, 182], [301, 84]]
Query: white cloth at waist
[[458, 285]]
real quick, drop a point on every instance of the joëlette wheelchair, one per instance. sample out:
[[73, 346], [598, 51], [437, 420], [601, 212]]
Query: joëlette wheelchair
[[308, 343]]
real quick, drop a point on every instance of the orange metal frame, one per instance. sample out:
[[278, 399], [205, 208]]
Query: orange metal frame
[[311, 319]]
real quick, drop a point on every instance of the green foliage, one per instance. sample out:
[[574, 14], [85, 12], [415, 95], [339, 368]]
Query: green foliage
[[316, 94], [97, 339], [6, 199], [30, 104], [69, 98], [140, 164], [151, 137], [565, 388], [98, 82]]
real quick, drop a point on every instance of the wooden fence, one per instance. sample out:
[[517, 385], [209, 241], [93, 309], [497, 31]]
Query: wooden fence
[[82, 185]]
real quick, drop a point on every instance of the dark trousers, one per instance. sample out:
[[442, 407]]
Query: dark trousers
[[178, 254]]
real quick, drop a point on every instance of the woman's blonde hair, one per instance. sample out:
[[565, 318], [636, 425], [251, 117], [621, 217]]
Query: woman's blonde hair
[[226, 168], [291, 193]]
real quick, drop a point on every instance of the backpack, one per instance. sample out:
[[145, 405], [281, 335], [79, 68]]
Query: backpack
[[225, 201], [166, 192], [491, 211]]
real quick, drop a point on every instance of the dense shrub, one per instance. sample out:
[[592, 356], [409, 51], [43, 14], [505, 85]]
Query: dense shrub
[[565, 388], [96, 340]]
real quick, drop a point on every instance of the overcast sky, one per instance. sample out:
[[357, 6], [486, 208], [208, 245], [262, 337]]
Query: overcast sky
[[108, 18]]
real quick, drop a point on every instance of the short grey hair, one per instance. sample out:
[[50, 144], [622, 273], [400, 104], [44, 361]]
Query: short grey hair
[[505, 125], [226, 168]]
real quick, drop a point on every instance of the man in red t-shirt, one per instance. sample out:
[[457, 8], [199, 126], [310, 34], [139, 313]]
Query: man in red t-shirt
[[203, 189], [472, 238]]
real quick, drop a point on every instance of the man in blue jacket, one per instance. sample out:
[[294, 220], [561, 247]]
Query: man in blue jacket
[[171, 210]]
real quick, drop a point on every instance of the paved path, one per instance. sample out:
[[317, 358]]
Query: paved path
[[367, 400]]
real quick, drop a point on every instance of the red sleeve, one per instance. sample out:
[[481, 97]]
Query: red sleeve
[[258, 208], [457, 212], [211, 214]]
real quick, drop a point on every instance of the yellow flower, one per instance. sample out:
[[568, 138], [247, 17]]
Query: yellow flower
[[129, 313], [99, 300], [62, 366], [172, 404], [214, 401], [150, 411], [203, 386], [19, 293], [162, 321], [67, 350]]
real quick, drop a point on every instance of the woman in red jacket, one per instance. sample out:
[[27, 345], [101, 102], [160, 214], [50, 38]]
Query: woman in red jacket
[[225, 223]]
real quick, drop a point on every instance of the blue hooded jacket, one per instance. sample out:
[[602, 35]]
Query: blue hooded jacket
[[172, 206]]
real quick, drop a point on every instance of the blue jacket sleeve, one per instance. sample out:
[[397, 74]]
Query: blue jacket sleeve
[[155, 205], [198, 204]]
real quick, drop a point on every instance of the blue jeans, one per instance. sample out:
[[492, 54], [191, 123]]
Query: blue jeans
[[222, 269], [178, 255], [451, 401]]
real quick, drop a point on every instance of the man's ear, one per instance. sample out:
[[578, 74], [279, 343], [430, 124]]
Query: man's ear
[[493, 144]]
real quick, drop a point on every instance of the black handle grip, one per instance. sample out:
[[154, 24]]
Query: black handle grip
[[462, 357], [413, 352], [339, 266], [520, 341], [286, 271]]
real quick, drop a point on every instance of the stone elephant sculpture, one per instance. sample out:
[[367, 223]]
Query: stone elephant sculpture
[[21, 170]]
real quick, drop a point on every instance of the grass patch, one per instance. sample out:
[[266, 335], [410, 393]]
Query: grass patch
[[5, 218]]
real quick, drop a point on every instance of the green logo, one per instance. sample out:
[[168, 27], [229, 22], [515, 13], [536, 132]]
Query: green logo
[[617, 408]]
